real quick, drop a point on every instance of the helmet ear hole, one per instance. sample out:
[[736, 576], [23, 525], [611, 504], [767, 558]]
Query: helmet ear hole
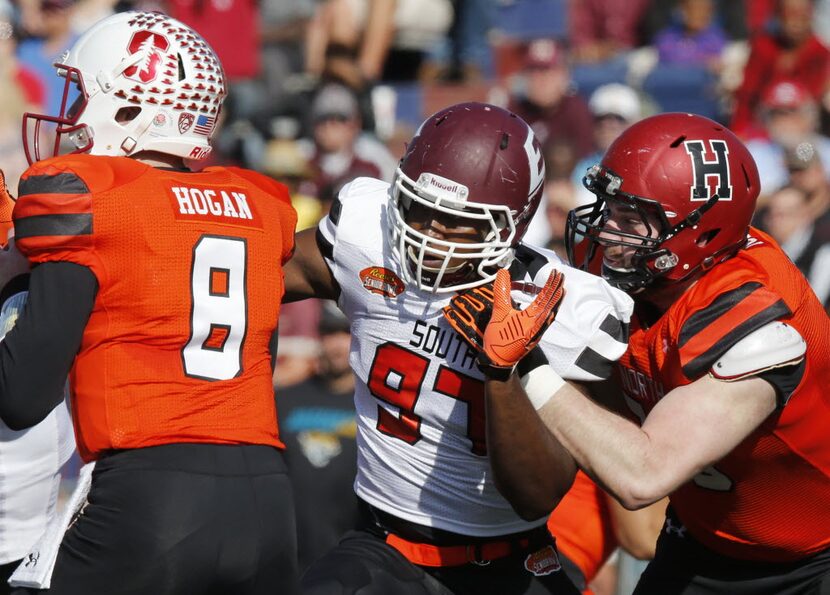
[[127, 114], [180, 69], [706, 237]]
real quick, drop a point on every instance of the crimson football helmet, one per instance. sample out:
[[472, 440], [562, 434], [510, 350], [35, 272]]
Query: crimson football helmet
[[688, 182], [483, 166], [135, 81]]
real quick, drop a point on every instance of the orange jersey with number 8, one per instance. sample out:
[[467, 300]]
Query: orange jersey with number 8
[[189, 270]]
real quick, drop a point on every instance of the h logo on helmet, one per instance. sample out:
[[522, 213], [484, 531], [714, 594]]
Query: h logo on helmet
[[704, 169]]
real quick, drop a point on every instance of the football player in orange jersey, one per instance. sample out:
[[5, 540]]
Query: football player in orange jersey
[[727, 368], [157, 290]]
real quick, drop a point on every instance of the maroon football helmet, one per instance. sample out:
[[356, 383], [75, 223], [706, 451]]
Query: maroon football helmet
[[689, 183], [480, 164]]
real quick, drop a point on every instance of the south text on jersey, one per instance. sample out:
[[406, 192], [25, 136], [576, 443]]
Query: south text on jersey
[[443, 343]]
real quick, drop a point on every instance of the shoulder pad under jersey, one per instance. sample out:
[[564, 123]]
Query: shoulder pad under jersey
[[75, 174], [772, 346], [356, 217]]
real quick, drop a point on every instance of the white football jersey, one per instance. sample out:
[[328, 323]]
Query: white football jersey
[[30, 462], [420, 399]]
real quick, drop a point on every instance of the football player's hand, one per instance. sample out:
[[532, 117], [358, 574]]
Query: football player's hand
[[469, 312], [511, 334]]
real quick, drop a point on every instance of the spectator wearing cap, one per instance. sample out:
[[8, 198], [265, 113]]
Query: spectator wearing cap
[[547, 101], [792, 52], [338, 150], [317, 425], [789, 116], [614, 107]]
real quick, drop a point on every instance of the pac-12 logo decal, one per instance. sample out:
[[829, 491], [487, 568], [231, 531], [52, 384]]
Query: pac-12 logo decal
[[709, 173], [543, 561], [153, 45], [381, 281], [186, 120]]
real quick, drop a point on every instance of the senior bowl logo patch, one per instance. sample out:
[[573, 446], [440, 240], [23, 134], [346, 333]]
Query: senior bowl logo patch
[[186, 120], [381, 281], [543, 561]]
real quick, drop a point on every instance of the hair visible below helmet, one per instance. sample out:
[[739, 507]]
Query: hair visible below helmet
[[688, 175], [480, 164], [135, 81]]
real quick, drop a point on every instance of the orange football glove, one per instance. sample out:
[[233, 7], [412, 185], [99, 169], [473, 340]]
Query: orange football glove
[[6, 208], [512, 334], [469, 312]]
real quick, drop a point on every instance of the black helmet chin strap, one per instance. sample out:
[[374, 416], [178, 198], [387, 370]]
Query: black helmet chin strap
[[692, 218]]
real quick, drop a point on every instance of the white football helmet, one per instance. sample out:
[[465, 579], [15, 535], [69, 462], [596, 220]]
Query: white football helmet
[[135, 81]]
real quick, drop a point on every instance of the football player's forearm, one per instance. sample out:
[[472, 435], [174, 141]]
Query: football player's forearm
[[306, 274], [37, 354], [531, 469], [612, 450]]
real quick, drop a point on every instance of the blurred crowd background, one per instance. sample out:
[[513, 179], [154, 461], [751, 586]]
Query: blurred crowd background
[[323, 91]]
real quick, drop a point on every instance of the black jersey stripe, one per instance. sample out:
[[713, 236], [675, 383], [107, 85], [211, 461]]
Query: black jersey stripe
[[527, 262], [594, 363], [335, 211], [326, 247], [699, 365], [74, 224], [614, 327], [66, 183], [722, 304]]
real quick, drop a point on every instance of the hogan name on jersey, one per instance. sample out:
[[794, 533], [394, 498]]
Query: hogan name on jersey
[[231, 204]]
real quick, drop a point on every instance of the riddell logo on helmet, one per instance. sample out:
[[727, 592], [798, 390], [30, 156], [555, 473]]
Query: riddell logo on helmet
[[152, 44], [381, 281], [442, 186]]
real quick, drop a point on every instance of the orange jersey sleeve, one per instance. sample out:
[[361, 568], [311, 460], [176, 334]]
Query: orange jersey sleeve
[[582, 526], [767, 499], [177, 348]]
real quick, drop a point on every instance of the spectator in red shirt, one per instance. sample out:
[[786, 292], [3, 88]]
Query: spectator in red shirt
[[601, 29], [231, 27], [793, 52], [338, 151], [547, 103]]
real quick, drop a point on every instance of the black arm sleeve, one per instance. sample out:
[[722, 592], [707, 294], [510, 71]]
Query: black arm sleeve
[[37, 354]]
